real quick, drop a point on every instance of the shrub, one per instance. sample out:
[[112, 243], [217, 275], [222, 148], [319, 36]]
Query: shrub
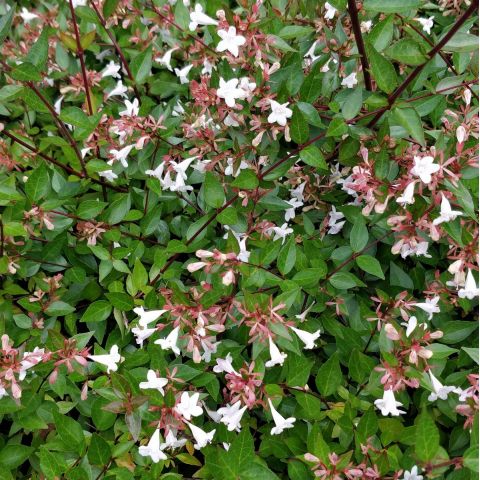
[[238, 240]]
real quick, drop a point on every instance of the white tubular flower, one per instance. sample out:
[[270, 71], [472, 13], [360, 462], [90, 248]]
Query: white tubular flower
[[230, 41], [108, 175], [120, 90], [131, 108], [424, 168], [224, 365], [412, 474], [188, 406], [429, 306], [121, 155], [166, 59], [350, 81], [407, 198], [330, 11], [27, 16], [201, 437], [153, 449], [170, 343], [154, 382], [110, 360], [147, 317], [182, 73], [281, 423], [440, 391], [446, 212], [470, 290], [197, 17], [280, 113], [229, 91], [111, 70], [306, 337], [388, 405], [231, 416], [141, 334], [276, 356], [427, 24]]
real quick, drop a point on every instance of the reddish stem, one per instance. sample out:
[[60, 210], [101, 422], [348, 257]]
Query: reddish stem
[[357, 31], [80, 57]]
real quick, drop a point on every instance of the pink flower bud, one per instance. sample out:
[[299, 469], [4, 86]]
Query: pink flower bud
[[228, 278], [84, 392], [53, 377], [204, 254], [461, 134], [193, 267]]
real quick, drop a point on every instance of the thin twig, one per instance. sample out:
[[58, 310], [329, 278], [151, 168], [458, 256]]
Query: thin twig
[[117, 47], [81, 58], [415, 72], [442, 55], [357, 31], [64, 167], [179, 28]]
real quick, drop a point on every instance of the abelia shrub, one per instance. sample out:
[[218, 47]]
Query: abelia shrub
[[238, 240]]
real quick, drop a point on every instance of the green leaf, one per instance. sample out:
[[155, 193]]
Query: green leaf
[[295, 31], [345, 280], [309, 277], [311, 88], [139, 275], [462, 42], [120, 300], [410, 120], [359, 235], [97, 311], [75, 116], [312, 156], [287, 256], [12, 456], [6, 23], [141, 65], [352, 103], [370, 265], [367, 426], [52, 464], [399, 278], [382, 70], [329, 376], [59, 309], [70, 432], [407, 51], [228, 216], [337, 127], [281, 44], [246, 180], [360, 366], [109, 7], [38, 53], [457, 331], [26, 72], [427, 438], [391, 6], [99, 450], [472, 353], [214, 194], [381, 34], [38, 184], [118, 209], [299, 129]]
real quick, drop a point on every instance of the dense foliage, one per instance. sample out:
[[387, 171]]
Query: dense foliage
[[238, 240]]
